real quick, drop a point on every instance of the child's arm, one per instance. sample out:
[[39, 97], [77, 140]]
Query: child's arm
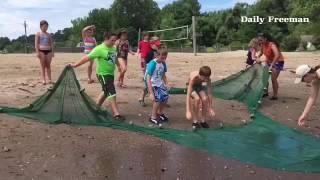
[[85, 29], [150, 88], [311, 100], [211, 109], [83, 60], [36, 43], [165, 80], [188, 103]]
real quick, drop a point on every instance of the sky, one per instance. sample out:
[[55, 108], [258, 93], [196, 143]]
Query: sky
[[59, 13]]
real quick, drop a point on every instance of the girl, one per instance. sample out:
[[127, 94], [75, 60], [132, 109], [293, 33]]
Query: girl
[[308, 74], [252, 52], [89, 43], [274, 59], [144, 49], [123, 49], [44, 50]]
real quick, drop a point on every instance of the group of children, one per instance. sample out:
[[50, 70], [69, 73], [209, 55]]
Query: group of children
[[113, 52]]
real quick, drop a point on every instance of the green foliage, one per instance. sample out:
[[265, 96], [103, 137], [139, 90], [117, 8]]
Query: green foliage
[[214, 29], [291, 43]]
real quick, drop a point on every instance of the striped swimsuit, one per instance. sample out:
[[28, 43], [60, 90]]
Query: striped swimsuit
[[89, 44]]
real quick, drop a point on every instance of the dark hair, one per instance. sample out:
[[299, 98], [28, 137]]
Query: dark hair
[[108, 35], [163, 50], [205, 71], [313, 70], [145, 33], [44, 22], [269, 38], [122, 31]]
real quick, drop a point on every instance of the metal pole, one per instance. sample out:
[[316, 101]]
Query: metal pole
[[25, 36], [194, 36]]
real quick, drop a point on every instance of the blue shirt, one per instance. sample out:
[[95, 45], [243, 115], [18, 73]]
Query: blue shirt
[[156, 70]]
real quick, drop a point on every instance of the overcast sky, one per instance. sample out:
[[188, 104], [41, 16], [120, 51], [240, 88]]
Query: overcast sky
[[59, 13]]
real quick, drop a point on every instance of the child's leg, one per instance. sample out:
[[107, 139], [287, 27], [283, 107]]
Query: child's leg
[[143, 66], [275, 84], [196, 107], [114, 105], [101, 99], [119, 71], [48, 65], [205, 104], [43, 67], [155, 109], [123, 67], [90, 72]]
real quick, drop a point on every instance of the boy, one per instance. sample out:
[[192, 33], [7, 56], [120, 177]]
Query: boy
[[199, 90], [155, 45], [89, 43], [157, 82], [105, 56]]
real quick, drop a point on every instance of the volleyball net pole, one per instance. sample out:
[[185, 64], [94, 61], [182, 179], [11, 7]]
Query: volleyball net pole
[[194, 35]]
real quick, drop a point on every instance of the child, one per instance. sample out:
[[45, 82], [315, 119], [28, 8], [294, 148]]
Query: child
[[89, 43], [199, 90], [44, 50], [144, 49], [123, 49], [157, 82], [105, 56], [155, 45], [252, 52]]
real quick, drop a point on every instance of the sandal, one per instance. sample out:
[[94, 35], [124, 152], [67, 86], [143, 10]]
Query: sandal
[[123, 86], [142, 103], [119, 117], [273, 98]]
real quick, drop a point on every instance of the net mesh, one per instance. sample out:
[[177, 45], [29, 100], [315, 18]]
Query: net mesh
[[263, 142]]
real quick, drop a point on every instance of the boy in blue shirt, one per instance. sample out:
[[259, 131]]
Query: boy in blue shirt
[[157, 86]]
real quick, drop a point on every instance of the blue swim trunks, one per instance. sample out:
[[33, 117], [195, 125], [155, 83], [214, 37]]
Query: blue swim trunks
[[161, 94]]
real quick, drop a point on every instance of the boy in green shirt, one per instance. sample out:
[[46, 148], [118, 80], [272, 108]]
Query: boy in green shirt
[[105, 57]]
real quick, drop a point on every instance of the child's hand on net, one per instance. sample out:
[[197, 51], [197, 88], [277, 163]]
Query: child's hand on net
[[212, 113], [188, 115]]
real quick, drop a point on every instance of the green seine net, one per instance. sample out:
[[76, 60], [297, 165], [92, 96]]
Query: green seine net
[[263, 142]]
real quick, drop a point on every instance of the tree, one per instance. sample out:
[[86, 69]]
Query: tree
[[4, 41]]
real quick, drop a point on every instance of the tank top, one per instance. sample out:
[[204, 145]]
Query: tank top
[[268, 52], [89, 44], [44, 41]]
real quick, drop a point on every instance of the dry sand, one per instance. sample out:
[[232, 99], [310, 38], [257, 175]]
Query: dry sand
[[42, 151]]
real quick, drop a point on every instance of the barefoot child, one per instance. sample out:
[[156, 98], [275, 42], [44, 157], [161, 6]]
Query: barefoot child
[[44, 50], [89, 43], [199, 91], [155, 45], [157, 86], [123, 49], [144, 49], [105, 57]]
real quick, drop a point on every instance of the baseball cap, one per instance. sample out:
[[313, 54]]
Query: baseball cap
[[301, 71]]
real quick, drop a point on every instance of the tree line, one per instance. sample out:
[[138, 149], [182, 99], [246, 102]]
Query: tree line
[[217, 28]]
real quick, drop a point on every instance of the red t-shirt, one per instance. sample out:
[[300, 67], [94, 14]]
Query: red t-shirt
[[144, 48]]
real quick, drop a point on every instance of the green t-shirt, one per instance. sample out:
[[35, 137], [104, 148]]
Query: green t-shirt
[[105, 58]]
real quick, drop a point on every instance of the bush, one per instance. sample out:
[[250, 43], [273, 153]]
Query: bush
[[236, 45], [316, 41], [291, 43]]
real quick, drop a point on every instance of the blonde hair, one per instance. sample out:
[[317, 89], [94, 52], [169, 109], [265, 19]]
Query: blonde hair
[[254, 43], [163, 51]]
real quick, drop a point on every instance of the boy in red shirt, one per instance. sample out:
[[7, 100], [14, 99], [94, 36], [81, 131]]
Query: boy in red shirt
[[144, 49]]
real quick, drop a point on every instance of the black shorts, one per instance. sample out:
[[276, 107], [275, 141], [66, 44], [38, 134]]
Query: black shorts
[[198, 88], [45, 52], [107, 83]]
